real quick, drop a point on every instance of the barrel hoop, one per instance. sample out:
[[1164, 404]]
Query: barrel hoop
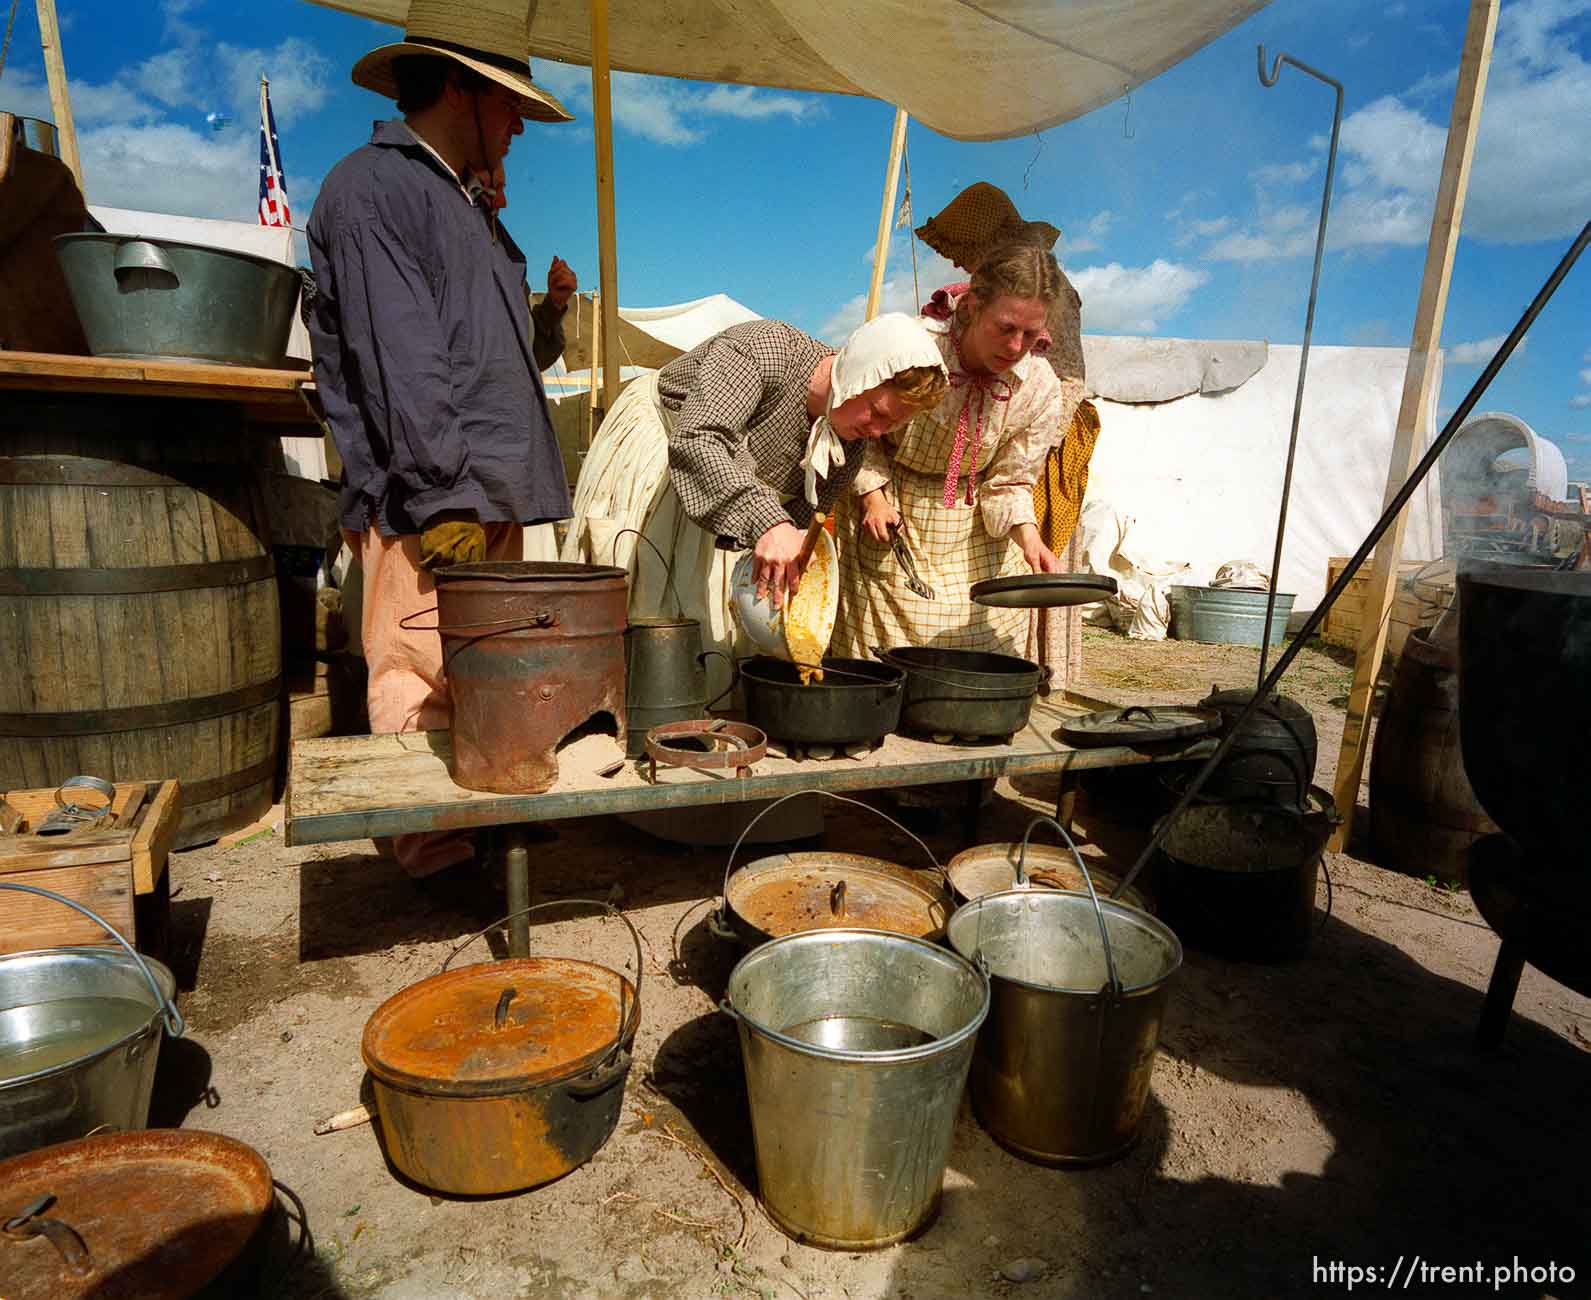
[[136, 581], [141, 717], [197, 792], [85, 471]]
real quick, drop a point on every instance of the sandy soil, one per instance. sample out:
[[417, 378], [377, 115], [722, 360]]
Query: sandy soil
[[1327, 1110]]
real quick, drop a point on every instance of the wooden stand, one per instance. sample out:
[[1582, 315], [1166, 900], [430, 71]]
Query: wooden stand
[[102, 869]]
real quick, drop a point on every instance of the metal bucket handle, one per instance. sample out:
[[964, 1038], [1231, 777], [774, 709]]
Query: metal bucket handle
[[668, 569], [716, 923], [173, 1018], [614, 1059], [911, 670], [535, 618], [1099, 912]]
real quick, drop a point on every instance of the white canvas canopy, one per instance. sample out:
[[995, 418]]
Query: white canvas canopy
[[651, 337], [1018, 65], [1194, 439]]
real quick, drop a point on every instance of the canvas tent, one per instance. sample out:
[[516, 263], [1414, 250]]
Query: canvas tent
[[1194, 438], [651, 337]]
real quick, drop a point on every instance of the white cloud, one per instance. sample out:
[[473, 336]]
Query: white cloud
[[1585, 377], [671, 112], [1292, 173], [1135, 298], [1480, 351], [1580, 402], [899, 291], [1093, 234]]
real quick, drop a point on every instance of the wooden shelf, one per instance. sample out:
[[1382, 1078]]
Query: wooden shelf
[[53, 372]]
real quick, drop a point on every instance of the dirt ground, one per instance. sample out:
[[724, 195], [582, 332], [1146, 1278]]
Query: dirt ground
[[1305, 1117]]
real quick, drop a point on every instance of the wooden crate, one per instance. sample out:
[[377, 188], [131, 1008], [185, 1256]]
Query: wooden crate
[[101, 869], [1410, 609]]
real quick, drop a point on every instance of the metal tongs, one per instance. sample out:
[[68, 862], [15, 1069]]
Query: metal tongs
[[908, 565]]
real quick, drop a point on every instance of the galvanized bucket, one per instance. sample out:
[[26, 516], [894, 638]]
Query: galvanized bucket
[[1061, 1074], [856, 1045], [80, 1031], [1227, 615]]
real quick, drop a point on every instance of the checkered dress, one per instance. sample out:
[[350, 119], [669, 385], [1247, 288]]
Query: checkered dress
[[740, 429], [955, 547]]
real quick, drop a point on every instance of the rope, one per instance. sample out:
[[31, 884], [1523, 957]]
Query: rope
[[5, 47], [911, 235]]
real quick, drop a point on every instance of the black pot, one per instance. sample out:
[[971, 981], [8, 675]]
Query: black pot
[[1524, 707], [964, 692], [857, 701], [1272, 758]]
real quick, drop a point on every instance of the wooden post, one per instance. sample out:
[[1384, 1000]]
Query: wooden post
[[591, 371], [1409, 443], [607, 252], [60, 99], [886, 216]]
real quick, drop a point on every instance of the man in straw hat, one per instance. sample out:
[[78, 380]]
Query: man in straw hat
[[426, 359]]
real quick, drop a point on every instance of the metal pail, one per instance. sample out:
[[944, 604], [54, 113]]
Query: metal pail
[[665, 667], [80, 1031], [856, 1045], [1078, 986]]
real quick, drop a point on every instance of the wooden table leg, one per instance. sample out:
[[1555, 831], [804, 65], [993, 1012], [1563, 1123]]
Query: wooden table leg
[[971, 811], [1500, 993], [1066, 798], [516, 874]]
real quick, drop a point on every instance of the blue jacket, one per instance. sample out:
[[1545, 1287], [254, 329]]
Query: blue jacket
[[423, 353]]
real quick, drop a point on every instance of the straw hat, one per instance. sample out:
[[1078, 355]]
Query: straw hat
[[491, 37], [977, 219]]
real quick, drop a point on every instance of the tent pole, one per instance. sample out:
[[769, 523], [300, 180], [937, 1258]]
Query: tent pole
[[591, 370], [1413, 411], [60, 99], [897, 145], [608, 260]]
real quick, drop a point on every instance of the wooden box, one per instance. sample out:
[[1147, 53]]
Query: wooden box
[[1411, 608], [101, 869]]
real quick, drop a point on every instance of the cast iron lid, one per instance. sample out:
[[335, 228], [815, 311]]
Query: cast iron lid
[[529, 571], [991, 869], [159, 1212], [499, 1027], [1276, 706], [1139, 724], [1043, 590], [791, 892]]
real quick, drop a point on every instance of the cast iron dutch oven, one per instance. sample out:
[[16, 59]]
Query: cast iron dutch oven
[[964, 692], [504, 1075], [857, 700]]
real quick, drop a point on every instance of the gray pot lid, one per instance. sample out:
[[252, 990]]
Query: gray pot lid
[[1140, 724], [1043, 590]]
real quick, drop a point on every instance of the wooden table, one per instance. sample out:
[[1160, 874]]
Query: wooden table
[[356, 787]]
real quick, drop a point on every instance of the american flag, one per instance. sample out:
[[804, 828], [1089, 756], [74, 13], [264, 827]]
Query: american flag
[[273, 181]]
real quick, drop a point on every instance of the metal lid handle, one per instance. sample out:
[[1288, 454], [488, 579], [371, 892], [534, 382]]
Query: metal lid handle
[[1099, 912], [173, 1018]]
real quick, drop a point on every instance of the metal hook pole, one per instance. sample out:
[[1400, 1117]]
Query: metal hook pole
[[1309, 330]]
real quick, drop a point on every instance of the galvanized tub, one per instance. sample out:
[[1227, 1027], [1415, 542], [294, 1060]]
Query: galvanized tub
[[158, 299], [1226, 615], [856, 1045], [533, 652], [80, 1032], [1078, 988]]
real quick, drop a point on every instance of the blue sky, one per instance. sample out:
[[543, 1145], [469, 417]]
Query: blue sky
[[1188, 209]]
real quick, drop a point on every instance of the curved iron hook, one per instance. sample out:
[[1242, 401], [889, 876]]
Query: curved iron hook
[[1309, 330]]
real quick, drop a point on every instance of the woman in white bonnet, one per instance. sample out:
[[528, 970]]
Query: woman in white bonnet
[[731, 447]]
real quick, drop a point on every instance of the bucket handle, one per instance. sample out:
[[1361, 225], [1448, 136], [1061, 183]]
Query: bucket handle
[[598, 1077], [172, 1017], [1099, 912], [734, 675], [839, 798], [535, 618], [668, 569], [1010, 691]]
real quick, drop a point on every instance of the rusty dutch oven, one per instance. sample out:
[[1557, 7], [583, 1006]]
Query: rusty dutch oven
[[791, 892], [504, 1075], [995, 868], [156, 1214]]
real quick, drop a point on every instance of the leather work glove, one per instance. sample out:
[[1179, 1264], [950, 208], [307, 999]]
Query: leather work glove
[[452, 541]]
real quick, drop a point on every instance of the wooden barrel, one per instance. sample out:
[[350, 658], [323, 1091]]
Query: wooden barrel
[[138, 604], [1423, 814]]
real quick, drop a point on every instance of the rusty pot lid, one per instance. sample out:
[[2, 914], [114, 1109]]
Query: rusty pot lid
[[991, 869], [500, 1026], [128, 1216], [791, 892], [1140, 724]]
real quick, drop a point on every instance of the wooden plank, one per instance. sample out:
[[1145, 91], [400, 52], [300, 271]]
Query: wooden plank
[[263, 389], [77, 848], [607, 229], [60, 94], [28, 922], [157, 831], [355, 787], [886, 215], [1409, 439]]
